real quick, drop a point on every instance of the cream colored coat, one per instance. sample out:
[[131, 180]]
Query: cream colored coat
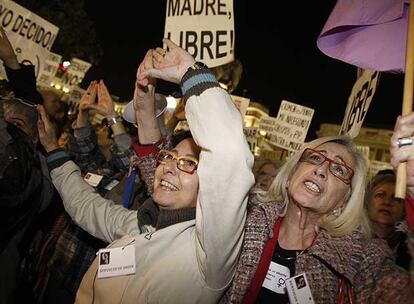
[[189, 262]]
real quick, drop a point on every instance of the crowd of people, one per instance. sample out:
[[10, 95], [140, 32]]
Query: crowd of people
[[189, 217]]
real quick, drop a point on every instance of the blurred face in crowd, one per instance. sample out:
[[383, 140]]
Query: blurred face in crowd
[[383, 208], [266, 175], [174, 188], [314, 187], [23, 117]]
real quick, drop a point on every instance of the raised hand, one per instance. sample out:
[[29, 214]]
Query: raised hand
[[169, 65], [47, 133], [144, 103], [144, 98], [105, 105], [6, 51], [87, 99], [89, 96]]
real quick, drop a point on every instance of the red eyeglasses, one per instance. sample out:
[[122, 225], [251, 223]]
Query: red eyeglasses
[[339, 170]]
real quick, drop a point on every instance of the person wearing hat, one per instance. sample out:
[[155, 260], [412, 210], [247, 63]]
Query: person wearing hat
[[200, 188]]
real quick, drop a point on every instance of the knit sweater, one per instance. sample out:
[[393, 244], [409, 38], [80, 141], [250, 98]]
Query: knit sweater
[[367, 264]]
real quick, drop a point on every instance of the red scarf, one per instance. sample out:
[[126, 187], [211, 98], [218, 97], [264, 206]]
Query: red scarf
[[263, 266]]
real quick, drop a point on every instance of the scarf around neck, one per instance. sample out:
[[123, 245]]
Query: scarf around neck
[[150, 214]]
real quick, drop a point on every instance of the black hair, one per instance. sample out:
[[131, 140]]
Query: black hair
[[386, 171], [5, 88], [180, 136]]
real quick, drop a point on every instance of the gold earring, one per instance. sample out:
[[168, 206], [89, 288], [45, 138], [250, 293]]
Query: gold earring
[[337, 212]]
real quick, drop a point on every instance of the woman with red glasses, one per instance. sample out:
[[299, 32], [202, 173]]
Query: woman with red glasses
[[307, 240], [188, 250]]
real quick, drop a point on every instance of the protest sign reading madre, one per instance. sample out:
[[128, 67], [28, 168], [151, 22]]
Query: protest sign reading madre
[[204, 28], [252, 136]]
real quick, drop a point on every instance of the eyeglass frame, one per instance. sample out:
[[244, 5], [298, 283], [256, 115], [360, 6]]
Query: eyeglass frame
[[177, 159], [330, 161]]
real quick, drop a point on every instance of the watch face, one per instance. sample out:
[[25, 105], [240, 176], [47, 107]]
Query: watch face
[[199, 65]]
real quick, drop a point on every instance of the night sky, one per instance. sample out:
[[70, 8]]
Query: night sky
[[277, 47]]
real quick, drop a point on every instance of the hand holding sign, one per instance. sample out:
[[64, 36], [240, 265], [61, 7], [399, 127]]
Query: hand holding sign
[[6, 51], [169, 65], [404, 128]]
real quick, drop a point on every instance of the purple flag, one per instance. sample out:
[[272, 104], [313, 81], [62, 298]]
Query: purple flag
[[371, 34]]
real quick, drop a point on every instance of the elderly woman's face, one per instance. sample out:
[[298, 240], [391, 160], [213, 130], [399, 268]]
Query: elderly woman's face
[[174, 188], [315, 188], [266, 175], [383, 208]]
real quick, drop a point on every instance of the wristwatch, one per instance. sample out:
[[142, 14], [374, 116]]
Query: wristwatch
[[198, 65], [111, 122]]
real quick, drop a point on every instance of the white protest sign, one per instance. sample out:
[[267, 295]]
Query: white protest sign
[[74, 74], [204, 28], [358, 103], [288, 130], [30, 35], [241, 103], [50, 67], [252, 134]]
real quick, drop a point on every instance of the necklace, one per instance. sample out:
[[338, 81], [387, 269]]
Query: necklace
[[289, 258], [289, 255]]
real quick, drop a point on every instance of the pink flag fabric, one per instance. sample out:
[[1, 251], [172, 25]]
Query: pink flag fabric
[[370, 34]]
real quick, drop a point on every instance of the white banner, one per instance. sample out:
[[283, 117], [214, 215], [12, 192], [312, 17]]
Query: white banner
[[358, 103], [74, 74], [49, 69], [288, 130], [204, 28], [252, 134], [31, 36]]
